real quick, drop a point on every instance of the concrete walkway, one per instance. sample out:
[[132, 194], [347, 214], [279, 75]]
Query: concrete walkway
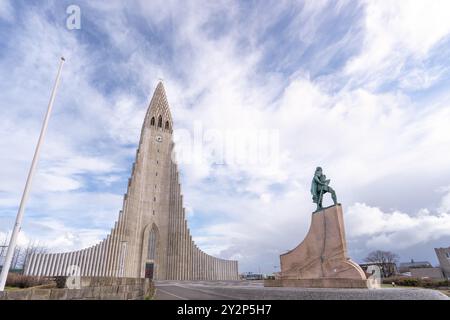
[[254, 290]]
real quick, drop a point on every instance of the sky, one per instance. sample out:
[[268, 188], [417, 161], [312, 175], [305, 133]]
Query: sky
[[360, 88]]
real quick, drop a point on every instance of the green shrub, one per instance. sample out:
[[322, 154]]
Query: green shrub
[[60, 281], [429, 283], [416, 282]]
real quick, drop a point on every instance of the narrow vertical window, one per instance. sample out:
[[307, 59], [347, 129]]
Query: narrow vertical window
[[152, 245], [159, 122]]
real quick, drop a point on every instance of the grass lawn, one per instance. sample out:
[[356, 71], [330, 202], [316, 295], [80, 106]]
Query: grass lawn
[[12, 288], [386, 285]]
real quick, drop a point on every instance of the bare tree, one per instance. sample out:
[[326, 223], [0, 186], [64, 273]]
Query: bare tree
[[386, 260], [3, 249], [21, 253], [3, 246], [16, 260], [31, 248]]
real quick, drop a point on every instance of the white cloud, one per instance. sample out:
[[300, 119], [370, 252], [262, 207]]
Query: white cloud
[[22, 239], [397, 32], [52, 182], [57, 237], [394, 230], [445, 202], [6, 11], [421, 78]]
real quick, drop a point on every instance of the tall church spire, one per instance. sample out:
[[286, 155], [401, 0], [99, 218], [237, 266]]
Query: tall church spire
[[158, 113]]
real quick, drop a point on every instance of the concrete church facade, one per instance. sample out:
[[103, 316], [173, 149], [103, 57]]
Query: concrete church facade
[[150, 238]]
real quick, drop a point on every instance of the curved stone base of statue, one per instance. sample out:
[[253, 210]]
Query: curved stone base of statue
[[321, 260]]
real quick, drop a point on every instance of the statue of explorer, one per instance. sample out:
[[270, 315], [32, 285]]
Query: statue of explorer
[[320, 186]]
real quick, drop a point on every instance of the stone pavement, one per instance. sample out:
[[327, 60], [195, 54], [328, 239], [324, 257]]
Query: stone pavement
[[254, 290]]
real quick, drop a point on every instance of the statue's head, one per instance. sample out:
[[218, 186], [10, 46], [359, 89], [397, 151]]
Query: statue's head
[[318, 171]]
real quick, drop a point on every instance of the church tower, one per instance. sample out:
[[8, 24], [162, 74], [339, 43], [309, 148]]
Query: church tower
[[151, 238]]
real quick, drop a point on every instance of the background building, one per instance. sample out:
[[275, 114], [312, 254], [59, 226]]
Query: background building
[[252, 276], [427, 273], [407, 266]]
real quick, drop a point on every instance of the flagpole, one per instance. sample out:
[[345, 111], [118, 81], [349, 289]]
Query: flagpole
[[26, 191]]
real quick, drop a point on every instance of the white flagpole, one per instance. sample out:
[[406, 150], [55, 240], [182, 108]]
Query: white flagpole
[[17, 225]]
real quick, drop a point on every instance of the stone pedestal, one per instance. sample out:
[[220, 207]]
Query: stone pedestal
[[321, 260]]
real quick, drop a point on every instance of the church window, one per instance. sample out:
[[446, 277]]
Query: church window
[[167, 126], [152, 121], [151, 245], [159, 122]]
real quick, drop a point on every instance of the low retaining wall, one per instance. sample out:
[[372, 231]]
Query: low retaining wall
[[92, 288], [317, 283]]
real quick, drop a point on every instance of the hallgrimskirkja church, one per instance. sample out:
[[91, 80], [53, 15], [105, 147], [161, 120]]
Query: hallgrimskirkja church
[[151, 238]]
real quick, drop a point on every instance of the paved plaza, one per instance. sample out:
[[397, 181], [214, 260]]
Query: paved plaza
[[254, 290]]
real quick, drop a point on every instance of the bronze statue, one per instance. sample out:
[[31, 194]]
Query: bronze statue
[[320, 186]]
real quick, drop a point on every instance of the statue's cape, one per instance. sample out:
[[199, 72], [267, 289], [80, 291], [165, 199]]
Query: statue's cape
[[314, 189]]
